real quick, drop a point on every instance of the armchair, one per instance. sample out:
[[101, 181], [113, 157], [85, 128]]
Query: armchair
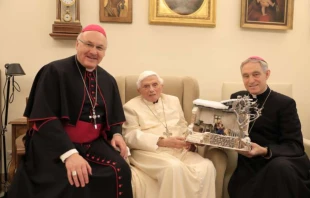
[[187, 90], [229, 88]]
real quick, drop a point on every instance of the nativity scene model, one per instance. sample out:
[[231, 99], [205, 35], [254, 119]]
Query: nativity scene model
[[223, 124]]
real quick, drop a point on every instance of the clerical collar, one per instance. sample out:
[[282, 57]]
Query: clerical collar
[[262, 95], [90, 70], [150, 103], [84, 68]]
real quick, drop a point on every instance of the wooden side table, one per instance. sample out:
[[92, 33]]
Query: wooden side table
[[19, 127]]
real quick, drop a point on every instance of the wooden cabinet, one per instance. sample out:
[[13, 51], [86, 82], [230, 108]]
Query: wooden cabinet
[[19, 128]]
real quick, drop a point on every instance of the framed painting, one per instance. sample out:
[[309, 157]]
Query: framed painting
[[119, 11], [181, 12], [267, 14]]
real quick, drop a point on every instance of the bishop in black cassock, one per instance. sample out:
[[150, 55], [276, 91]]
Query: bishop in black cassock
[[60, 106], [282, 172]]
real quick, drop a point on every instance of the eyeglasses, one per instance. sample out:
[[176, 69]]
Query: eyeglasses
[[91, 45]]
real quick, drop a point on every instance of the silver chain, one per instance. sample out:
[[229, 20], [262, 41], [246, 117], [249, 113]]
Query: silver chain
[[93, 105], [261, 108], [165, 125]]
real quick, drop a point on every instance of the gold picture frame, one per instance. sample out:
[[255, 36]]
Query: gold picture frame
[[173, 12], [118, 11], [267, 14]]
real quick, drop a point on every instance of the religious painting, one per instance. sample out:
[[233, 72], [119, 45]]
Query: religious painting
[[183, 12], [267, 14], [119, 11]]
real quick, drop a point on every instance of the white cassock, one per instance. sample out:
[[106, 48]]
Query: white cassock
[[175, 173]]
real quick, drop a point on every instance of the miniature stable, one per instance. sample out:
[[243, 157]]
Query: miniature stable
[[223, 124]]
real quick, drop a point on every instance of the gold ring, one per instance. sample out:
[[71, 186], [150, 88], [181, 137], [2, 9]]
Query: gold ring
[[73, 173]]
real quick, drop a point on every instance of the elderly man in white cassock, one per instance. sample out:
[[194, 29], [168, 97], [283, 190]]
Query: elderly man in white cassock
[[155, 131]]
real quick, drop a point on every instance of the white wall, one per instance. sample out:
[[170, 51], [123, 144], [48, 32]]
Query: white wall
[[212, 55]]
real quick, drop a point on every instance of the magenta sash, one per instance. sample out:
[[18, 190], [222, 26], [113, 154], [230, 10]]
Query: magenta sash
[[84, 132]]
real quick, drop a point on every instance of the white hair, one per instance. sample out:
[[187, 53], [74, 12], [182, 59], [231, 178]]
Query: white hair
[[263, 63], [146, 74]]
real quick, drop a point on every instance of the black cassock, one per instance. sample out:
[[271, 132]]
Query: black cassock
[[286, 174], [60, 108]]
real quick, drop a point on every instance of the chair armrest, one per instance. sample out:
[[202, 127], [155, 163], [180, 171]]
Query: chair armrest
[[219, 159], [232, 158], [307, 146]]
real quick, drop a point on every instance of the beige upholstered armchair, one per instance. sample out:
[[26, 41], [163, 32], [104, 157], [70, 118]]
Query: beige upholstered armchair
[[227, 90], [187, 90]]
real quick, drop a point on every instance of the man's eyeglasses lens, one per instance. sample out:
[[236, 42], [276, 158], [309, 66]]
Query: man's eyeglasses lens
[[91, 46]]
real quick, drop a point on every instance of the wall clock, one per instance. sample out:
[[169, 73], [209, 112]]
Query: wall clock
[[67, 24]]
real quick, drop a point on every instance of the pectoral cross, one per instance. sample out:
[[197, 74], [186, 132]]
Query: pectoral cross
[[94, 117], [167, 133]]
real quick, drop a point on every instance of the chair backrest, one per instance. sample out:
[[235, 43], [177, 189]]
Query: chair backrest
[[185, 88], [231, 87]]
